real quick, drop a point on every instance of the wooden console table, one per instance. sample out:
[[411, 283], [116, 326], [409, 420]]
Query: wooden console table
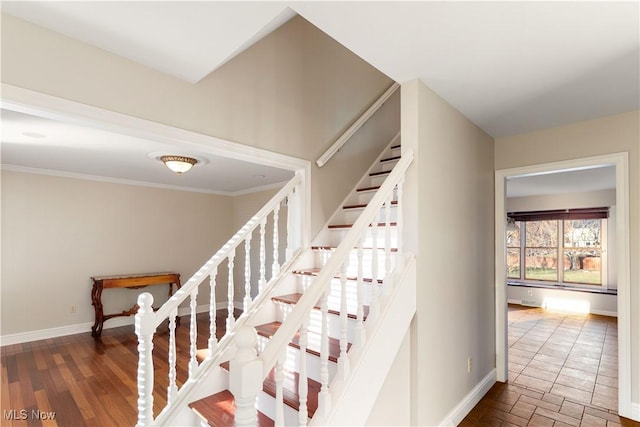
[[131, 281]]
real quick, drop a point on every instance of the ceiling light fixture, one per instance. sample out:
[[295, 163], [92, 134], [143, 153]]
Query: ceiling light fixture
[[178, 164]]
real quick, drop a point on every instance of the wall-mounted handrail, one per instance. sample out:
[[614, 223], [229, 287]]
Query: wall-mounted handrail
[[356, 125]]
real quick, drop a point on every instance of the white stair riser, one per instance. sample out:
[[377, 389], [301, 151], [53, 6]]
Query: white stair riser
[[337, 235], [315, 319], [267, 405], [334, 300], [349, 216], [361, 197], [322, 256], [292, 362]]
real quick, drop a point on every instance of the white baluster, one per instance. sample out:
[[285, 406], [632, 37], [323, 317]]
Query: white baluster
[[359, 332], [145, 332], [279, 378], [275, 267], [324, 397], [245, 377], [263, 256], [213, 339], [399, 222], [302, 377], [343, 359], [387, 284], [193, 334], [172, 389], [374, 306], [230, 290], [247, 273]]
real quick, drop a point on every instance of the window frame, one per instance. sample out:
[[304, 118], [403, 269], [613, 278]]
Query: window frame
[[560, 216]]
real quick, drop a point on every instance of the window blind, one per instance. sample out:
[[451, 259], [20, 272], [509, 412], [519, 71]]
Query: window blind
[[583, 213]]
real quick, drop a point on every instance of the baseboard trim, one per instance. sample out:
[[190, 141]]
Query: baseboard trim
[[635, 412], [80, 328], [458, 413], [599, 312]]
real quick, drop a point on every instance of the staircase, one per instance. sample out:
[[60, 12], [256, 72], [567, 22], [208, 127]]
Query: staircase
[[329, 316]]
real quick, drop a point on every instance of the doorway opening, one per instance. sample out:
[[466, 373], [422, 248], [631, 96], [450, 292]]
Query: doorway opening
[[620, 214]]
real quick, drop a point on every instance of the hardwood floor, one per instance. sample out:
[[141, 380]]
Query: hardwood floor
[[88, 382], [562, 372]]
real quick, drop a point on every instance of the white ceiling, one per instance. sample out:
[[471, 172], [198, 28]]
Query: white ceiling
[[40, 145], [511, 67], [576, 181]]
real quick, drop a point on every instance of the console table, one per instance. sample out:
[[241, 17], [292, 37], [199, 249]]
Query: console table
[[135, 281]]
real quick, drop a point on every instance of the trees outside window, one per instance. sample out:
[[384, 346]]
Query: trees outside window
[[558, 250]]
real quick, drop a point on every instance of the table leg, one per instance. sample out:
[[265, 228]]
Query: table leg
[[96, 300]]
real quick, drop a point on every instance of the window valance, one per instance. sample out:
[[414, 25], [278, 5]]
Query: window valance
[[582, 213]]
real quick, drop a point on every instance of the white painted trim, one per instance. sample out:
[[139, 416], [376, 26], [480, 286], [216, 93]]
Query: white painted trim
[[634, 413], [600, 312], [463, 408], [112, 180], [81, 328], [30, 102], [626, 407], [73, 175]]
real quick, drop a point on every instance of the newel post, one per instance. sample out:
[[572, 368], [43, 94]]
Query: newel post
[[145, 330], [245, 376]]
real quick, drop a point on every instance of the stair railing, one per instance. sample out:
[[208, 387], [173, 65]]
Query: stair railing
[[297, 320], [147, 321]]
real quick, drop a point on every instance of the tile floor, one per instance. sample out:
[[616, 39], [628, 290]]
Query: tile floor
[[562, 371]]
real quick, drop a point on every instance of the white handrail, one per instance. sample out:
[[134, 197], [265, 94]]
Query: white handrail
[[312, 295], [147, 321], [356, 125], [222, 253]]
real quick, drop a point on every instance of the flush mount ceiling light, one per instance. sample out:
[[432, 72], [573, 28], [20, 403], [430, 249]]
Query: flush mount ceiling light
[[178, 164]]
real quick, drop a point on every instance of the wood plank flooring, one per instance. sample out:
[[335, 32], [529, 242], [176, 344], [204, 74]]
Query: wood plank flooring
[[563, 371], [554, 379], [89, 382]]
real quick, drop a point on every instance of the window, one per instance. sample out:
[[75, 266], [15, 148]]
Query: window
[[541, 250], [583, 251], [563, 247], [513, 250]]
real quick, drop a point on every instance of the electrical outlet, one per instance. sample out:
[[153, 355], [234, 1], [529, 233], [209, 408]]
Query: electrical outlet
[[72, 309], [469, 364]]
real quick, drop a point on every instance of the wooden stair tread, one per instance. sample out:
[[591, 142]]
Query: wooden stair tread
[[368, 188], [390, 159], [395, 147], [294, 298], [316, 271], [269, 329], [219, 410], [331, 248], [341, 226], [364, 205], [290, 387], [380, 173]]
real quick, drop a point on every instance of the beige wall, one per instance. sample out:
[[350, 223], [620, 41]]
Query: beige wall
[[58, 232], [614, 134], [450, 198], [293, 92]]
